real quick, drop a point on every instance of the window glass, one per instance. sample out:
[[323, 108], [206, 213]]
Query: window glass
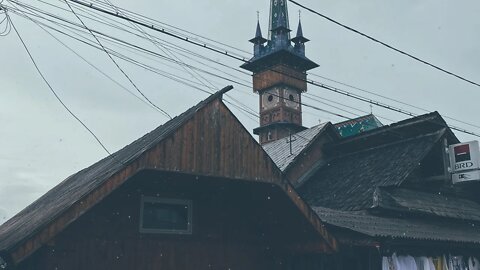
[[166, 215]]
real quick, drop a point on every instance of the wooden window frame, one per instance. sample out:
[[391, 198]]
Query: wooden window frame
[[152, 199]]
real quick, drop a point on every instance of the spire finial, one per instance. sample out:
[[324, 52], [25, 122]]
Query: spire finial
[[299, 15], [258, 16]]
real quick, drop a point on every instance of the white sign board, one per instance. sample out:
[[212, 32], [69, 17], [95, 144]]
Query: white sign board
[[466, 176], [464, 157]]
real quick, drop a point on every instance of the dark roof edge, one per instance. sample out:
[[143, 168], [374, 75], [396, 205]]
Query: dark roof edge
[[328, 127], [290, 191], [433, 117], [382, 192], [438, 135], [319, 165], [356, 119], [217, 95]]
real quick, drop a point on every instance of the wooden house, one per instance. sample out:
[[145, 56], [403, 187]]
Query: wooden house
[[196, 193], [385, 192]]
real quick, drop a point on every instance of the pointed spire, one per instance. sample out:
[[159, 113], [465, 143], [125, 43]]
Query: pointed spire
[[258, 39], [300, 39], [278, 17]]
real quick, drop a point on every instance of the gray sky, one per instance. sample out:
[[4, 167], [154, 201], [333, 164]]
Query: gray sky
[[42, 145]]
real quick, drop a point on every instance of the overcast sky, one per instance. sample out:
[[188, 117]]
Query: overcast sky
[[42, 145]]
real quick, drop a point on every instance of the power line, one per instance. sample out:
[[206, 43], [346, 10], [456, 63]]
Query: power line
[[208, 59], [165, 50], [54, 92], [226, 53], [91, 65], [337, 90], [391, 99], [116, 64], [248, 86], [242, 106], [385, 44]]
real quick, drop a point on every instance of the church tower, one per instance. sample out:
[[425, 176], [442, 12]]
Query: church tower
[[279, 69]]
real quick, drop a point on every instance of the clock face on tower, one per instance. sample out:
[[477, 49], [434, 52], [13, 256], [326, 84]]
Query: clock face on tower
[[270, 98], [292, 98]]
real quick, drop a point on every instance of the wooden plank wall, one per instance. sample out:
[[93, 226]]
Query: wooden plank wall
[[228, 233], [274, 76], [212, 143]]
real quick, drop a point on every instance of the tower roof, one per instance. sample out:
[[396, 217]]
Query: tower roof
[[279, 49], [300, 38], [278, 16], [258, 39]]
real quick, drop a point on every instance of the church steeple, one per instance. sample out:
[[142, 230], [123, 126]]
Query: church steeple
[[278, 16], [279, 29], [258, 40], [299, 40], [279, 75]]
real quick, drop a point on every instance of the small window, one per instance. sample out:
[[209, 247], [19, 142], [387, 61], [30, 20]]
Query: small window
[[169, 216]]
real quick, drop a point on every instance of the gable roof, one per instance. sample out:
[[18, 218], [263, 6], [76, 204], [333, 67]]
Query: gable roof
[[42, 220], [348, 181], [401, 228], [418, 202], [75, 187], [279, 150]]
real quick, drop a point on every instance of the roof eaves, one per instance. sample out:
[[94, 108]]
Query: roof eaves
[[171, 126]]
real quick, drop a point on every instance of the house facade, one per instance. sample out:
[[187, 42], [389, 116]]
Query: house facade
[[196, 193]]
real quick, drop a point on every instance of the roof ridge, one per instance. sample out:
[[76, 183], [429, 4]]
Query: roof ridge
[[409, 121], [438, 133]]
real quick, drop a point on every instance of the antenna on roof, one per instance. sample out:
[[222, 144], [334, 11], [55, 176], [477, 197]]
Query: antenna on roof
[[290, 141]]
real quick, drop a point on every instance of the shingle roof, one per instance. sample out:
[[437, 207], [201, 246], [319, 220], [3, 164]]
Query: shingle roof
[[71, 190], [418, 229], [348, 182], [279, 150], [411, 201]]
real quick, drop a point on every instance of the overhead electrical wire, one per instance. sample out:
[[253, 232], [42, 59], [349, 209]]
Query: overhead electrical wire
[[117, 65], [230, 81], [91, 64], [179, 30], [235, 57], [385, 44], [391, 99], [324, 86], [245, 108], [54, 92], [323, 77], [424, 110], [182, 63], [165, 50]]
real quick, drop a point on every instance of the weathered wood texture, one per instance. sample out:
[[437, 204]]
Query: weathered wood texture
[[211, 143], [236, 225], [277, 75]]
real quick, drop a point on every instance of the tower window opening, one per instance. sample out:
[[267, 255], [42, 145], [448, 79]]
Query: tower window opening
[[291, 98], [270, 98]]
